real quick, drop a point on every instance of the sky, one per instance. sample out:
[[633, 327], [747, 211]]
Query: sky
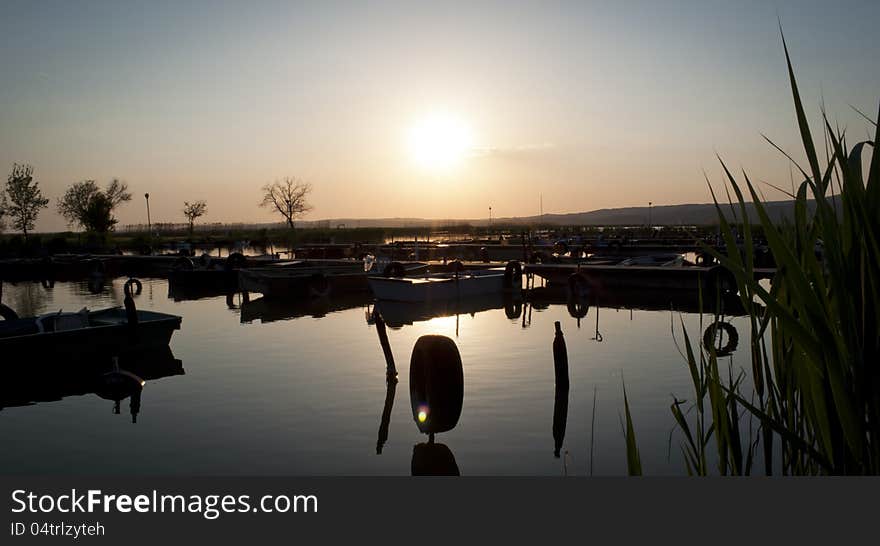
[[420, 109]]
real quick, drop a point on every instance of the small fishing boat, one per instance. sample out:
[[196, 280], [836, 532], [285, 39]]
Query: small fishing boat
[[317, 278], [106, 330], [447, 286], [117, 330]]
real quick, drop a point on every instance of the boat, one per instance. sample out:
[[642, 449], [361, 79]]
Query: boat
[[447, 286], [52, 379], [103, 331], [397, 314], [317, 278]]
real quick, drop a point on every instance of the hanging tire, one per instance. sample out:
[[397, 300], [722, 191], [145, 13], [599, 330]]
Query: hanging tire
[[394, 269], [578, 287], [319, 286], [132, 282], [711, 334], [456, 266], [560, 247], [724, 281], [183, 263], [512, 309], [513, 275], [704, 259], [236, 260], [436, 384], [577, 309]]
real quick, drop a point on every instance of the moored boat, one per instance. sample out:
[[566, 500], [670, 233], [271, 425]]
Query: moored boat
[[447, 286], [103, 331]]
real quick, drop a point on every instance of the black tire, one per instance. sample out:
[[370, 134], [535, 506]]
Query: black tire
[[561, 247], [236, 260], [394, 269], [183, 263], [456, 266], [711, 333], [513, 309], [484, 254], [578, 308], [7, 313], [724, 281], [436, 384], [513, 275], [538, 257], [319, 286], [139, 287], [704, 259], [433, 460], [578, 287]]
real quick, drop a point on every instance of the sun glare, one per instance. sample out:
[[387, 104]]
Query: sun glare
[[439, 142]]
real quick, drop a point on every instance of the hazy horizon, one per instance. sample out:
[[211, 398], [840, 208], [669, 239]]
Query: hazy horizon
[[425, 111]]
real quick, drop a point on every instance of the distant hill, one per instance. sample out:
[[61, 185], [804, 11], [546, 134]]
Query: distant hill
[[690, 214]]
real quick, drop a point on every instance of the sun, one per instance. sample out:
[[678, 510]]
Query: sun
[[439, 142]]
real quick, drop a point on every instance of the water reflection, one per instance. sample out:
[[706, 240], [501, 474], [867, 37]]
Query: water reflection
[[270, 309], [560, 398], [436, 393], [109, 377], [304, 397], [390, 380], [398, 314]]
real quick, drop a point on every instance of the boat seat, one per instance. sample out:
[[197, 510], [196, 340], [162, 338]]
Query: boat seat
[[61, 322]]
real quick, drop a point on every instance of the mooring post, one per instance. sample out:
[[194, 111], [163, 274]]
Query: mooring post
[[560, 399]]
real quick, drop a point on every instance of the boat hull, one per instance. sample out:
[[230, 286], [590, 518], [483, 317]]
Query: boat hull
[[109, 334], [438, 288]]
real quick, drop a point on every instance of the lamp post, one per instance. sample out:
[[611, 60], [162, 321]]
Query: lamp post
[[149, 224], [490, 217], [649, 214]]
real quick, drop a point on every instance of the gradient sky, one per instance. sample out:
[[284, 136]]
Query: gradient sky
[[593, 104]]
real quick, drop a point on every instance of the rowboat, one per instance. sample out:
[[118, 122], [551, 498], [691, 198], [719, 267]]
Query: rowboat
[[446, 286], [103, 331], [317, 278]]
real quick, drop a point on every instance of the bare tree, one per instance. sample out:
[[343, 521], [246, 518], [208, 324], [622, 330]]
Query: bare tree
[[192, 211], [288, 198], [86, 205], [23, 200]]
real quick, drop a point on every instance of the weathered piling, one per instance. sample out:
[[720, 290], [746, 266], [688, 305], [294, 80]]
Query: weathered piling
[[560, 400]]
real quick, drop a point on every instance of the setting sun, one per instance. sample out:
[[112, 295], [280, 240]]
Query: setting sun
[[439, 142]]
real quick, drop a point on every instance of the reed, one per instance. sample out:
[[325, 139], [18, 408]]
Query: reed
[[813, 403]]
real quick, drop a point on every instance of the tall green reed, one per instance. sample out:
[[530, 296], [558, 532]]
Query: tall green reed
[[814, 402]]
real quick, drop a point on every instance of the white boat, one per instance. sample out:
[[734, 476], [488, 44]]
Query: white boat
[[443, 286]]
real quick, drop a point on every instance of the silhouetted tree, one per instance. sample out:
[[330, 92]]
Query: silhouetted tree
[[86, 205], [288, 198], [23, 199], [192, 211]]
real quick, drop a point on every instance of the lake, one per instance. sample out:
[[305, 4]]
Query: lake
[[300, 389]]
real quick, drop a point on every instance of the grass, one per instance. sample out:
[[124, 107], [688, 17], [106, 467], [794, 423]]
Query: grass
[[813, 406]]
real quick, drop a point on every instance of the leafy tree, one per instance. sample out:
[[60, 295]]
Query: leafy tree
[[23, 200], [86, 205], [288, 198], [192, 211]]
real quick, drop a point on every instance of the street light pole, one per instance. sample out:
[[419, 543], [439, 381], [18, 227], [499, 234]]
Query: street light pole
[[649, 215], [149, 224]]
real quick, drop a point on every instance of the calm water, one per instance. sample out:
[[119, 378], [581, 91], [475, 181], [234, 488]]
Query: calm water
[[281, 389]]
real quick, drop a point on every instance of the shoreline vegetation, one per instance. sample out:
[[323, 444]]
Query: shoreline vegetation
[[809, 404]]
